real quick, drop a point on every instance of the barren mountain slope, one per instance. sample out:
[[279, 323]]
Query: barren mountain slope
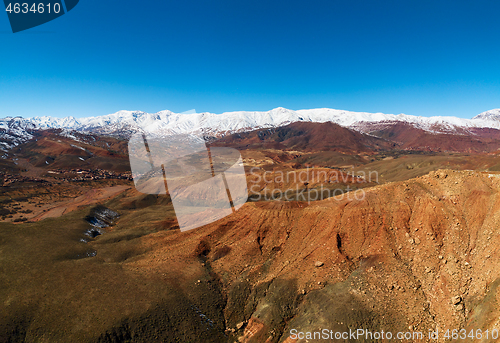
[[408, 256], [408, 136], [306, 136], [420, 254]]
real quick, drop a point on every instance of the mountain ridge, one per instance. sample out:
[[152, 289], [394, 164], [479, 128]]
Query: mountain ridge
[[123, 123]]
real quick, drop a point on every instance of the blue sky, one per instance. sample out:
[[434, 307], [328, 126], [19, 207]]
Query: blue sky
[[414, 57]]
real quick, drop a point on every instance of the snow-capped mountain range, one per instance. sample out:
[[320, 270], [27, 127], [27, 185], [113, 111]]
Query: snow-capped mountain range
[[16, 130]]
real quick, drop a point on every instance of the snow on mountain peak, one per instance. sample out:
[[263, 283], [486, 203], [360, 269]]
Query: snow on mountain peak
[[170, 122], [489, 115], [123, 123]]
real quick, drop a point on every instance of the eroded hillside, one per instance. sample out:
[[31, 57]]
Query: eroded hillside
[[416, 255]]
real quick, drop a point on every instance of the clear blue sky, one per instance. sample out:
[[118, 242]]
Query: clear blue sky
[[415, 57]]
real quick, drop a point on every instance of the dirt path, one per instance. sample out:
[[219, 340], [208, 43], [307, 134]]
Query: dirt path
[[92, 196]]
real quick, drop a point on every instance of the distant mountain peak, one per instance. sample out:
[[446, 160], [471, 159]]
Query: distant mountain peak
[[489, 115], [123, 123]]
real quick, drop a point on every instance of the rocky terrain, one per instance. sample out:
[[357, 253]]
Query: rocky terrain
[[408, 244], [414, 255], [418, 255]]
